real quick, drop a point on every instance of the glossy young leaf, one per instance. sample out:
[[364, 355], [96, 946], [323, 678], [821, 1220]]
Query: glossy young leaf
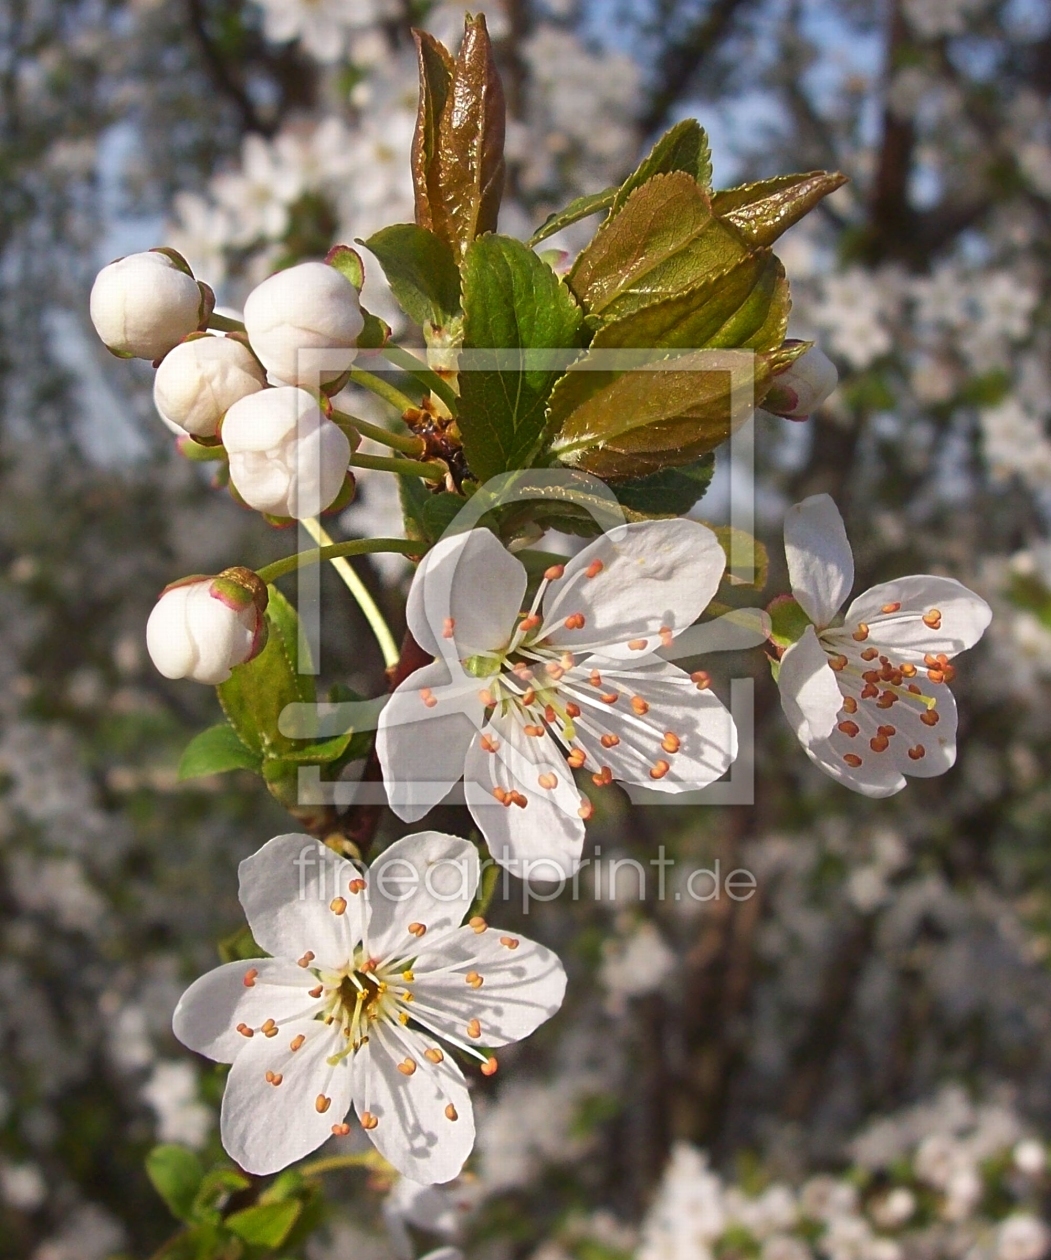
[[683, 148], [512, 302], [436, 72], [761, 212], [215, 751], [176, 1174], [664, 242], [266, 1225], [421, 271], [579, 208]]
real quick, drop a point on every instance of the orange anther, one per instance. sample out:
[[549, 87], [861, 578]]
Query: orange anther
[[936, 675], [533, 729], [849, 728], [340, 1130], [509, 942], [451, 1113], [850, 704], [837, 662], [518, 799], [322, 1104], [879, 743], [869, 654], [603, 778], [861, 633], [931, 718], [572, 710], [671, 743], [701, 679], [609, 741], [269, 1029], [244, 1030], [609, 697], [317, 992], [368, 1120], [933, 619], [489, 1066], [585, 809], [576, 759], [417, 929], [667, 636], [474, 1028], [528, 696], [407, 1066], [477, 924], [889, 731], [448, 626], [428, 697], [638, 645], [594, 569], [433, 1055], [296, 1042], [554, 572], [918, 753], [852, 759], [660, 769], [474, 980], [639, 706], [307, 958], [575, 621], [357, 886], [250, 977], [489, 745], [338, 905], [909, 670], [890, 608], [548, 781]]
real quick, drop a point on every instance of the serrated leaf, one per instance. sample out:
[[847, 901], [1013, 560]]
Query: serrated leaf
[[512, 301], [664, 241], [683, 148], [319, 753], [632, 424], [215, 751], [671, 492], [691, 319], [761, 321], [420, 270], [267, 1225], [255, 693], [436, 72], [458, 148], [176, 1174], [579, 208], [763, 211], [439, 512]]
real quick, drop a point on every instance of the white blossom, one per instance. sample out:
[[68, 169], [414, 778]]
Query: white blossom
[[201, 379], [286, 458], [298, 312], [869, 699], [202, 627], [516, 701], [181, 1117], [687, 1216], [1021, 1237], [803, 387], [369, 969], [144, 304]]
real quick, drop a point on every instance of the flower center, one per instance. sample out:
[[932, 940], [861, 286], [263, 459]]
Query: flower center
[[359, 995]]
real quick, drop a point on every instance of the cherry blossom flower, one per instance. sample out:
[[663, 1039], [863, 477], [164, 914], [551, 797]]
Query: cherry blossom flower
[[369, 969], [516, 701], [869, 699]]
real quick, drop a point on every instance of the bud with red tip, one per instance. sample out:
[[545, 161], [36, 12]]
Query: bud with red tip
[[201, 627], [803, 386]]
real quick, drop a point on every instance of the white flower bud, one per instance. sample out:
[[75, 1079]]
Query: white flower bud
[[201, 379], [286, 458], [803, 387], [144, 304], [202, 627], [309, 307]]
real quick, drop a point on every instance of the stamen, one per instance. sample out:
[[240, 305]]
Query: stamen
[[448, 626], [575, 621], [889, 731], [338, 905], [245, 1031], [357, 886], [852, 760], [407, 1066], [322, 1104], [474, 980], [408, 975], [849, 728], [869, 654], [474, 1028], [489, 1066], [269, 1029], [548, 781], [433, 1055], [609, 741], [638, 645], [603, 778], [594, 569], [595, 678], [586, 809], [879, 743], [307, 958], [489, 745], [861, 633], [890, 608], [639, 706], [576, 759], [428, 697], [517, 798], [701, 679], [909, 670], [509, 942], [837, 663], [850, 704], [417, 929], [316, 993], [340, 1130], [918, 753], [933, 619], [477, 923], [549, 713], [609, 697], [250, 977], [660, 769], [671, 743], [534, 730], [667, 636], [296, 1042], [553, 573], [573, 710], [274, 1078], [451, 1113], [486, 697], [931, 718], [368, 1120]]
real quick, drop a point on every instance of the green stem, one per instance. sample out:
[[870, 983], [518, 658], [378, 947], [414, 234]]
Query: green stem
[[403, 467], [356, 547], [396, 441], [222, 324], [360, 592], [383, 389], [333, 1163], [409, 363]]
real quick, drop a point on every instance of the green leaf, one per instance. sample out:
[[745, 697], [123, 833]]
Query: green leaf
[[671, 492], [220, 1183], [421, 271], [375, 332], [761, 321], [267, 1225], [683, 148], [693, 318], [176, 1174], [439, 512], [413, 498], [664, 242], [240, 945], [458, 149], [348, 263], [761, 212], [512, 301], [319, 753], [215, 751], [759, 568], [256, 692], [788, 621], [577, 209]]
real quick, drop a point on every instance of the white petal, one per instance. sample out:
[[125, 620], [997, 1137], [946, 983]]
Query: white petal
[[208, 1013], [734, 631], [810, 694], [875, 779], [427, 878], [546, 835], [425, 729], [266, 1127], [470, 587], [656, 578], [904, 634], [820, 562], [167, 635], [522, 986], [287, 889], [414, 1132], [678, 714]]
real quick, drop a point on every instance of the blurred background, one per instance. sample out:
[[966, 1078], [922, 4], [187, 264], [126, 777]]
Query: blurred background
[[856, 1062]]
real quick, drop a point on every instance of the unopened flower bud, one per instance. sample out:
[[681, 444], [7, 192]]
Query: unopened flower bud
[[295, 314], [803, 386], [286, 458], [202, 627], [201, 379], [144, 304]]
